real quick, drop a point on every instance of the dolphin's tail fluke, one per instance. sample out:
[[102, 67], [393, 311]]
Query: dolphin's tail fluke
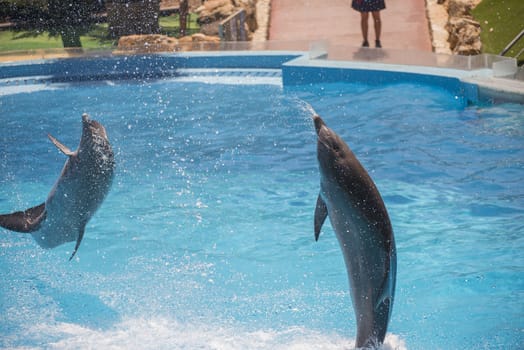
[[24, 221]]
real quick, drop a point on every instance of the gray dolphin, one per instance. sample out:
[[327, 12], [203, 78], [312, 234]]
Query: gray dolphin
[[81, 188], [361, 223]]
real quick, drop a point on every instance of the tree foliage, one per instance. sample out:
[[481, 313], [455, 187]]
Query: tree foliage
[[68, 19]]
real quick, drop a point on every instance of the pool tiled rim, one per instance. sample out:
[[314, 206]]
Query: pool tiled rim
[[297, 68]]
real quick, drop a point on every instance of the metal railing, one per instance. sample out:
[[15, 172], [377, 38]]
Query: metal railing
[[233, 28], [513, 42]]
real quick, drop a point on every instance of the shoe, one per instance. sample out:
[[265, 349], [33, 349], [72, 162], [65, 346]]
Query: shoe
[[378, 44], [365, 43]]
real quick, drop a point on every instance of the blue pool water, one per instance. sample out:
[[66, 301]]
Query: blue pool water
[[206, 238]]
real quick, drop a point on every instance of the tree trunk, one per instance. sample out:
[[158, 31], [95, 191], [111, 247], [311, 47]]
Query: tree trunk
[[70, 38], [183, 10]]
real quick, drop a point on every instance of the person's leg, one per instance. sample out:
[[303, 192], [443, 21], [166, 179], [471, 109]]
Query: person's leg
[[364, 26], [378, 27]]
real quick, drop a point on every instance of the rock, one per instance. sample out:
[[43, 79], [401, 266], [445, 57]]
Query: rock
[[146, 43], [185, 40], [212, 12], [464, 36], [210, 28], [198, 41], [464, 31], [438, 18], [250, 6], [461, 8], [262, 14], [132, 44], [199, 37]]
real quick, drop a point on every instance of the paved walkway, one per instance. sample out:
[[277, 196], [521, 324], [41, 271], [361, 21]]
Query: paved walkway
[[404, 23]]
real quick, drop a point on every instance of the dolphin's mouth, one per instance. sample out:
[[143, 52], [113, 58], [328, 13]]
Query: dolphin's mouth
[[323, 143]]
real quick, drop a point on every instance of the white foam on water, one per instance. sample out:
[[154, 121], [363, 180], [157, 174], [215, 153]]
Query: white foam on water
[[164, 333], [20, 89], [230, 76]]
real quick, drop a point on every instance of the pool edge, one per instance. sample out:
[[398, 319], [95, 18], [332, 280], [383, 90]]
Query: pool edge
[[298, 68]]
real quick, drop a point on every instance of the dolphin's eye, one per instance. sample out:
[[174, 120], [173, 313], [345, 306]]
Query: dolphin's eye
[[336, 148]]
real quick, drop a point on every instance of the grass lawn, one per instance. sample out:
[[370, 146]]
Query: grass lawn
[[170, 25], [501, 21], [96, 39], [12, 41]]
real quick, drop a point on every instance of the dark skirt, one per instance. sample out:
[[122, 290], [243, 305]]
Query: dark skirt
[[368, 5]]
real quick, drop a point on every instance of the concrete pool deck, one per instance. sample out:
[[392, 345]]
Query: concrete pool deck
[[406, 39], [404, 23]]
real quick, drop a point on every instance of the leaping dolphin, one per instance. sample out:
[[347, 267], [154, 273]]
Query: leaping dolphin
[[361, 223], [81, 188]]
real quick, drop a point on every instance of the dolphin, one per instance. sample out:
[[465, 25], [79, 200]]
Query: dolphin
[[361, 223], [81, 188]]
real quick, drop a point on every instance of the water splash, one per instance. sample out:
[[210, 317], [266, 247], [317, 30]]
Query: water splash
[[305, 107], [164, 333]]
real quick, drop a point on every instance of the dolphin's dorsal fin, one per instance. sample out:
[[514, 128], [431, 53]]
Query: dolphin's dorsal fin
[[321, 214], [78, 241], [24, 221], [60, 146]]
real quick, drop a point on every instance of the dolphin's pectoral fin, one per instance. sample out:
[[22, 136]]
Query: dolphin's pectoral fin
[[321, 214], [385, 298], [64, 149], [381, 319], [387, 289], [382, 309], [78, 241], [24, 221]]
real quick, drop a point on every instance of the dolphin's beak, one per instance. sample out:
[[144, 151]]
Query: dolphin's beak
[[323, 135], [323, 131], [86, 124], [319, 123]]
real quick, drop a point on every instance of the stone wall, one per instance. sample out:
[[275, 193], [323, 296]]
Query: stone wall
[[464, 31], [438, 18], [453, 29], [153, 43]]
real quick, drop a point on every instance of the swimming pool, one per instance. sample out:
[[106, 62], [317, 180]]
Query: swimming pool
[[206, 238]]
